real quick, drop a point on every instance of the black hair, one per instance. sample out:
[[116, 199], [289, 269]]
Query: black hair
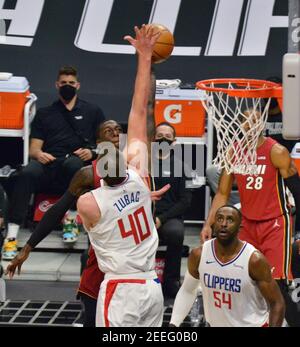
[[167, 124], [115, 164], [101, 125], [234, 208]]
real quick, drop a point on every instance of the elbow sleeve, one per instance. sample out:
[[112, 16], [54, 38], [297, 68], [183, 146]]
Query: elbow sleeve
[[184, 299]]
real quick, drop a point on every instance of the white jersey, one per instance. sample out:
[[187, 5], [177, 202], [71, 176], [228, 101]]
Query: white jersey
[[231, 298], [125, 240]]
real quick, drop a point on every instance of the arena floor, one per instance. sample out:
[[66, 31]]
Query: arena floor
[[45, 292]]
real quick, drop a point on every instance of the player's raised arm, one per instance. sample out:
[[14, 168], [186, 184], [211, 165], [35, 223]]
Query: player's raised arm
[[260, 272], [220, 199], [137, 122], [150, 107]]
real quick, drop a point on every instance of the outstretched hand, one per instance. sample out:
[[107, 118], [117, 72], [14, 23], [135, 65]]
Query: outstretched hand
[[145, 39], [17, 262], [157, 194]]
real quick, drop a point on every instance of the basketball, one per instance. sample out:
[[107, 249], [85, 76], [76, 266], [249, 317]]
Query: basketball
[[164, 45]]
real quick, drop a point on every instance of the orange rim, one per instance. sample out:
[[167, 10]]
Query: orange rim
[[256, 88]]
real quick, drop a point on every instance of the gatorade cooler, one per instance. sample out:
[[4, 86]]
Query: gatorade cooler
[[295, 154], [13, 97], [183, 109]]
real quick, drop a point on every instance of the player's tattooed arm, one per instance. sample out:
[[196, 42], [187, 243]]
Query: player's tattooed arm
[[82, 181], [260, 272]]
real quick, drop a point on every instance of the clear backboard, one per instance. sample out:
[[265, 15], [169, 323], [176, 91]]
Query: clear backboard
[[291, 76]]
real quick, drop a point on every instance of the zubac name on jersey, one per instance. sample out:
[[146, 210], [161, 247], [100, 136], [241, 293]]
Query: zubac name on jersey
[[127, 200], [221, 283]]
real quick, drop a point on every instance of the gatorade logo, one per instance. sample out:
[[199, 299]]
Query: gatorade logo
[[296, 32], [172, 114]]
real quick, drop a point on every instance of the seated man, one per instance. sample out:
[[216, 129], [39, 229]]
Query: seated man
[[62, 138], [170, 209]]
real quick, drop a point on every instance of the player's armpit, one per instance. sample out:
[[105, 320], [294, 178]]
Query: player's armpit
[[282, 160], [260, 272]]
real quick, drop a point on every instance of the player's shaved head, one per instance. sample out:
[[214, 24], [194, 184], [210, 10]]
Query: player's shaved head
[[235, 210], [227, 224], [111, 167]]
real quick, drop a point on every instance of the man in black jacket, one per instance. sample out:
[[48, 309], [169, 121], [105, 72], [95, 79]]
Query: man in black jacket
[[170, 209], [62, 137]]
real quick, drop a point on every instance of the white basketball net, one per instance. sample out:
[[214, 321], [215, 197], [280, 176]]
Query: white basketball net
[[238, 122]]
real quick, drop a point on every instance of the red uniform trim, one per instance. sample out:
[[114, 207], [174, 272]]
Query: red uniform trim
[[110, 290]]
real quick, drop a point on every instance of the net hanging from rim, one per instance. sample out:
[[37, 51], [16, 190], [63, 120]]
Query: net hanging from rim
[[239, 110]]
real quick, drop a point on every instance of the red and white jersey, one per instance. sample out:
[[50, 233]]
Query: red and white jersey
[[231, 298], [125, 240], [263, 195]]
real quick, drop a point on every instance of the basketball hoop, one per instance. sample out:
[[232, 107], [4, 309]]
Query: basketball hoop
[[239, 116]]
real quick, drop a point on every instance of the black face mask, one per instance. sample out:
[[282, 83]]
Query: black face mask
[[67, 92], [163, 139]]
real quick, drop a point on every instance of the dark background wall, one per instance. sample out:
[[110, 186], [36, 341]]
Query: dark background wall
[[107, 79]]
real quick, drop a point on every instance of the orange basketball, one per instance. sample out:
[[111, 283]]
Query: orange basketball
[[164, 45]]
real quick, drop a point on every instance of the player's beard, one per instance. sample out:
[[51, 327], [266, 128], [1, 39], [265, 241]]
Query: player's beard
[[228, 241]]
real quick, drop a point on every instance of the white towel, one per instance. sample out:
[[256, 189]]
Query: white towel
[[5, 76], [165, 84]]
